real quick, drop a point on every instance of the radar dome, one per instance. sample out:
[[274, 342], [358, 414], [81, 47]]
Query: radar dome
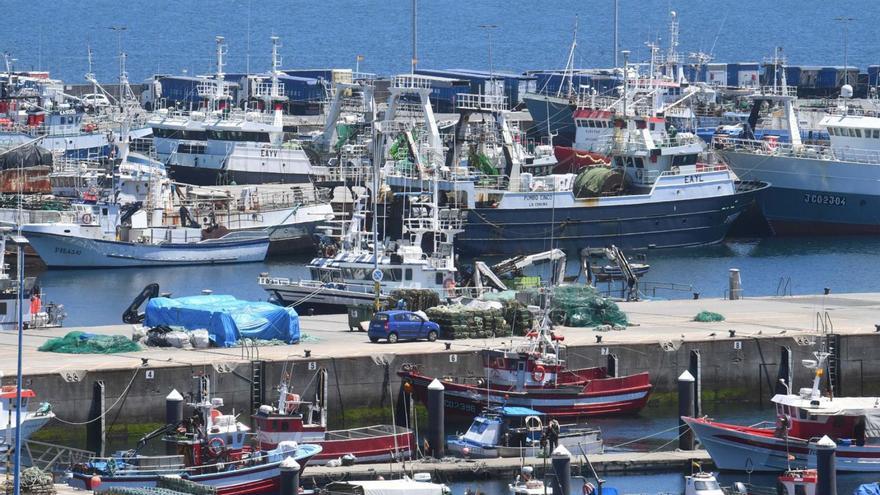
[[846, 91]]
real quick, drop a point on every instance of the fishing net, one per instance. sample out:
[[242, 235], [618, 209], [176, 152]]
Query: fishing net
[[416, 299], [461, 322], [583, 306], [708, 316], [33, 480], [89, 343]]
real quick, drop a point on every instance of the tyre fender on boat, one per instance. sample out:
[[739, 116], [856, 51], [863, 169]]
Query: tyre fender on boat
[[87, 218], [216, 446], [539, 373]]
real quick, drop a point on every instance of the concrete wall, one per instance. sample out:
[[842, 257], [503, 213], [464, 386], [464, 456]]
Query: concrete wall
[[733, 370]]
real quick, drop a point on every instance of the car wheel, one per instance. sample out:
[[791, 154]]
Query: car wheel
[[432, 336], [374, 339], [392, 338]]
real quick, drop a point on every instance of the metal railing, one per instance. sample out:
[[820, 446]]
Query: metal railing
[[52, 457], [411, 81], [813, 151], [488, 103]]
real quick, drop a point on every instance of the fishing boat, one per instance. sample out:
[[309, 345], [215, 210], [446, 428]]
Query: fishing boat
[[510, 431], [532, 373], [212, 449], [815, 189], [230, 146], [853, 422], [702, 484], [31, 420], [293, 419], [525, 484]]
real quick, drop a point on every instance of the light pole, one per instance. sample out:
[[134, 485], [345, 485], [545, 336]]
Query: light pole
[[357, 63], [119, 30], [489, 28], [845, 20], [20, 242], [625, 54]]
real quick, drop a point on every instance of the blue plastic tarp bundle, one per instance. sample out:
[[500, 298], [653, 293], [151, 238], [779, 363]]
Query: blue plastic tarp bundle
[[226, 318], [868, 489]]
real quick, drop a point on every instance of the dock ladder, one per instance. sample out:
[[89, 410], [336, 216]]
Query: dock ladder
[[831, 344], [257, 385]]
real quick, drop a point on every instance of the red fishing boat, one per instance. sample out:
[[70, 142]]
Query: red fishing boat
[[853, 423], [532, 373], [293, 419]]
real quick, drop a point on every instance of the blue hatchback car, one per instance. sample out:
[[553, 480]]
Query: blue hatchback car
[[401, 325]]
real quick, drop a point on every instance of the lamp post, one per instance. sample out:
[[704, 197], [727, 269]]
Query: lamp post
[[20, 242], [845, 20], [489, 28]]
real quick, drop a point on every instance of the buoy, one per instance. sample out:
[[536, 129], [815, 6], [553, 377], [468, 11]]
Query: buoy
[[95, 482], [539, 373]]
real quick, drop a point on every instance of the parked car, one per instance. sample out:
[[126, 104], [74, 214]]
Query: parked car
[[400, 324]]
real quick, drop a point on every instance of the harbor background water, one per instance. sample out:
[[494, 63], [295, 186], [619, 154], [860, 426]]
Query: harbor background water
[[167, 36]]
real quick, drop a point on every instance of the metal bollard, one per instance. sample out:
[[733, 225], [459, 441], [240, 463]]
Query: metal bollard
[[289, 476], [735, 284], [686, 384], [560, 459], [436, 418], [173, 416], [826, 466]]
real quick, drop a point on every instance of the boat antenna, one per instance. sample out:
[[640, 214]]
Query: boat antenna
[[415, 53], [568, 73], [616, 46]]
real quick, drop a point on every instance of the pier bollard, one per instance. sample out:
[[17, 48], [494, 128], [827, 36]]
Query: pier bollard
[[289, 476], [735, 284], [560, 460], [436, 419], [173, 416], [685, 408], [826, 466], [96, 427]]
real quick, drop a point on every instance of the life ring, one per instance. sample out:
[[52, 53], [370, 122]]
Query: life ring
[[449, 285], [539, 373], [330, 250], [675, 170], [216, 446], [589, 489], [87, 218]]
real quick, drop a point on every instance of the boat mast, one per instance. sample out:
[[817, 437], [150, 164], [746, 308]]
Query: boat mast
[[415, 54], [615, 47], [569, 63]]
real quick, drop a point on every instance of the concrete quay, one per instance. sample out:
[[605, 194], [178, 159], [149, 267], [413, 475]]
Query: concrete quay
[[738, 366]]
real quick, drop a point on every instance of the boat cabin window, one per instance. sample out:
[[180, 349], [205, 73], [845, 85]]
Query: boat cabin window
[[392, 275], [260, 137], [876, 133], [640, 163], [858, 132], [407, 274], [802, 414], [2, 308], [706, 485], [438, 279], [618, 161], [679, 160]]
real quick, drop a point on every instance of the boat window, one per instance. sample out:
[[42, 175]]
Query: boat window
[[314, 273], [438, 279], [800, 489], [590, 123], [618, 161], [408, 274], [684, 160], [479, 426], [2, 308], [706, 485], [858, 132], [284, 426], [640, 163], [876, 133], [802, 414], [833, 131], [652, 126], [629, 162]]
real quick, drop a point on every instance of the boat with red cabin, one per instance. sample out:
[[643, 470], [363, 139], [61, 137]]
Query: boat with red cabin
[[532, 373], [853, 423], [210, 448], [293, 419]]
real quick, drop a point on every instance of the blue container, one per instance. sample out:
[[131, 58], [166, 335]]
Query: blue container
[[733, 75], [873, 75]]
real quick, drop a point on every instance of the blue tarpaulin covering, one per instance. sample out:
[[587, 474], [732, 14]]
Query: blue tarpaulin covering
[[868, 489], [226, 318]]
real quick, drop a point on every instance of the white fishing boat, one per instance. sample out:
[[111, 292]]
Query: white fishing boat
[[31, 420], [226, 146]]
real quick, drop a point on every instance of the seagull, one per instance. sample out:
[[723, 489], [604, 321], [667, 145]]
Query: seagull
[[712, 334], [782, 332], [760, 332], [682, 336]]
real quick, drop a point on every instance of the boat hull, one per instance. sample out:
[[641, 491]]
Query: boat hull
[[372, 448], [642, 225], [60, 251], [211, 176], [553, 114], [811, 196], [254, 480], [618, 396], [580, 444], [738, 448]]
